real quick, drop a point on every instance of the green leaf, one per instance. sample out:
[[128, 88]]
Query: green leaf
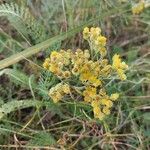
[[15, 105], [24, 22], [117, 49], [18, 77], [42, 139], [132, 55], [146, 117]]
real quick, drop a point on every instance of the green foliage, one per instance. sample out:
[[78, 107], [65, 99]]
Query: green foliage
[[15, 105], [146, 117], [132, 55], [46, 81], [23, 21], [42, 139], [3, 133], [49, 10], [18, 77]]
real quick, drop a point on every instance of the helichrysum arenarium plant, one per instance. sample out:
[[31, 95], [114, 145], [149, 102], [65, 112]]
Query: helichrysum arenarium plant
[[84, 73]]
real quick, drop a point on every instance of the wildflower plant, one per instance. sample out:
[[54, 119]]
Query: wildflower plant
[[84, 73]]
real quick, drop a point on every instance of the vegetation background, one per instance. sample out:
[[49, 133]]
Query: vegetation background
[[29, 30]]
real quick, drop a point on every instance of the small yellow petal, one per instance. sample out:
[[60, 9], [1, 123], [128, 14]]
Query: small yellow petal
[[114, 96]]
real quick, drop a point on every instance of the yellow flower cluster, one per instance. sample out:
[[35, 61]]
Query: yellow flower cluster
[[96, 40], [58, 62], [138, 8], [86, 71], [57, 92], [119, 66], [100, 101]]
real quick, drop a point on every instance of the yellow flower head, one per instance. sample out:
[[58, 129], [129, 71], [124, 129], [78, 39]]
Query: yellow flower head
[[102, 92], [54, 68], [114, 96], [121, 74], [106, 70], [107, 103], [58, 92], [55, 56], [89, 93], [66, 88], [75, 71], [106, 110], [104, 62], [66, 74], [87, 54], [46, 63], [56, 97], [94, 81], [116, 61], [98, 113], [95, 103], [123, 65], [55, 94], [86, 33], [103, 51], [138, 8], [119, 66], [101, 41], [94, 33]]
